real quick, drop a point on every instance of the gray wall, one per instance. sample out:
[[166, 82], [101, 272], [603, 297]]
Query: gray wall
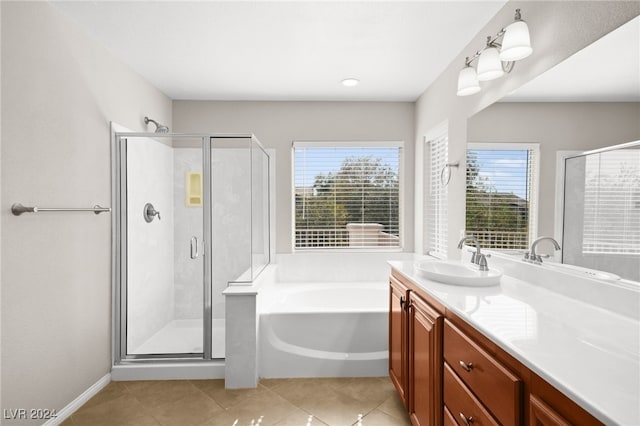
[[568, 126], [278, 124], [558, 30], [60, 89], [1, 204]]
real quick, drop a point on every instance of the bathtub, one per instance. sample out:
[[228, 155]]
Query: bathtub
[[331, 329]]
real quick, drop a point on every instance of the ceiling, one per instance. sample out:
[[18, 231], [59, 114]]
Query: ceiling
[[289, 50], [608, 70]]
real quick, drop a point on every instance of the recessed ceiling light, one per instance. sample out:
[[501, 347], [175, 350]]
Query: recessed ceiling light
[[350, 82]]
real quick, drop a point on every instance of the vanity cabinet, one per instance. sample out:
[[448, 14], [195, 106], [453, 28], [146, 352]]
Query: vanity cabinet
[[425, 361], [550, 407], [398, 335], [449, 420], [479, 373], [540, 414], [459, 399], [415, 353], [448, 373]]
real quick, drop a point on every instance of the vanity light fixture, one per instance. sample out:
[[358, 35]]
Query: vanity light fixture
[[516, 43], [489, 63], [496, 58], [350, 82], [468, 83]]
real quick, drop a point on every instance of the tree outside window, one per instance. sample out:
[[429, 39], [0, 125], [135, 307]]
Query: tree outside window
[[358, 197]]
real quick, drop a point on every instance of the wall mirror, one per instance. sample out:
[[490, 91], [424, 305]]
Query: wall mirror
[[602, 210], [517, 146]]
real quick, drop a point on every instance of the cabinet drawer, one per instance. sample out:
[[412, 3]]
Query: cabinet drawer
[[497, 388], [462, 404], [449, 420]]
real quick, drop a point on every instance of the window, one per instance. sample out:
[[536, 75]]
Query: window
[[612, 203], [437, 151], [502, 194], [347, 195]]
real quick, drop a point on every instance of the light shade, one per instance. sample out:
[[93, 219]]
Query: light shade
[[516, 44], [468, 82], [489, 65]]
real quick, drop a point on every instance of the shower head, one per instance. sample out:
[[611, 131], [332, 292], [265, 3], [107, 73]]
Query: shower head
[[159, 127]]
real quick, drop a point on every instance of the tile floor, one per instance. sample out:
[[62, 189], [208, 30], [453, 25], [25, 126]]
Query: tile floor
[[300, 402]]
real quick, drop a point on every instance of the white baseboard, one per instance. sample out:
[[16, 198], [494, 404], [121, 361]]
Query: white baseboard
[[73, 406]]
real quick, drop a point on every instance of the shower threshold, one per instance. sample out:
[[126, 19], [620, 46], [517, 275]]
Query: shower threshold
[[178, 336], [183, 370]]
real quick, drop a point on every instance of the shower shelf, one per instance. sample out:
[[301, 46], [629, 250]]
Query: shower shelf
[[17, 209]]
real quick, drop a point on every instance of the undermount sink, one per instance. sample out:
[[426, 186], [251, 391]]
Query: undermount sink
[[457, 273]]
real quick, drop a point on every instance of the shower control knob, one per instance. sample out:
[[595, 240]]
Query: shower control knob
[[149, 212]]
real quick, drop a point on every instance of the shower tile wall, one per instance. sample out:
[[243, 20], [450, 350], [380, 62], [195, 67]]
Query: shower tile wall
[[260, 211], [188, 223], [231, 240], [149, 245], [574, 200], [231, 187]]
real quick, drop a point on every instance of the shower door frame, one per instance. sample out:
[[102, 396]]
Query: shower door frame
[[119, 247]]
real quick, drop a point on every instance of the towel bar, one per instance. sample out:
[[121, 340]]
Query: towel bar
[[17, 209]]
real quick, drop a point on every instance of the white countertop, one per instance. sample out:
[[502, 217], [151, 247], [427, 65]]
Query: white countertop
[[589, 353]]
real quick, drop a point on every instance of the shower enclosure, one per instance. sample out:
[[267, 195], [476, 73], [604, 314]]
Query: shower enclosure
[[191, 217]]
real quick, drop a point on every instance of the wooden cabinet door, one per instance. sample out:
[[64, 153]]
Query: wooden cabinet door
[[540, 414], [398, 337], [425, 363]]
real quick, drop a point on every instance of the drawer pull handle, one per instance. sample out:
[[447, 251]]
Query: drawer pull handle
[[468, 366], [467, 420]]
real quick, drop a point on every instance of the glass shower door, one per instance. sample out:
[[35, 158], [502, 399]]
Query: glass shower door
[[192, 218], [164, 247]]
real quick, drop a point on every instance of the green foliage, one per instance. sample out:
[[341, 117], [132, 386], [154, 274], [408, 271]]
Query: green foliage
[[364, 190], [487, 211], [319, 211]]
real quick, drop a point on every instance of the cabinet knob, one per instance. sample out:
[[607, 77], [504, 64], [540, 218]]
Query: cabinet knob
[[401, 301], [466, 420], [468, 366]]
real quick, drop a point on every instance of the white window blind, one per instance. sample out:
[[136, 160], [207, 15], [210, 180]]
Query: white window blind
[[437, 202], [612, 203], [501, 195], [347, 195]]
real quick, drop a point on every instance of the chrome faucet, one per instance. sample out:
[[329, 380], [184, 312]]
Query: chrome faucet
[[532, 256], [477, 257]]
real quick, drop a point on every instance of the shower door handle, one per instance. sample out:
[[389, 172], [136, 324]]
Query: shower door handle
[[194, 247]]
